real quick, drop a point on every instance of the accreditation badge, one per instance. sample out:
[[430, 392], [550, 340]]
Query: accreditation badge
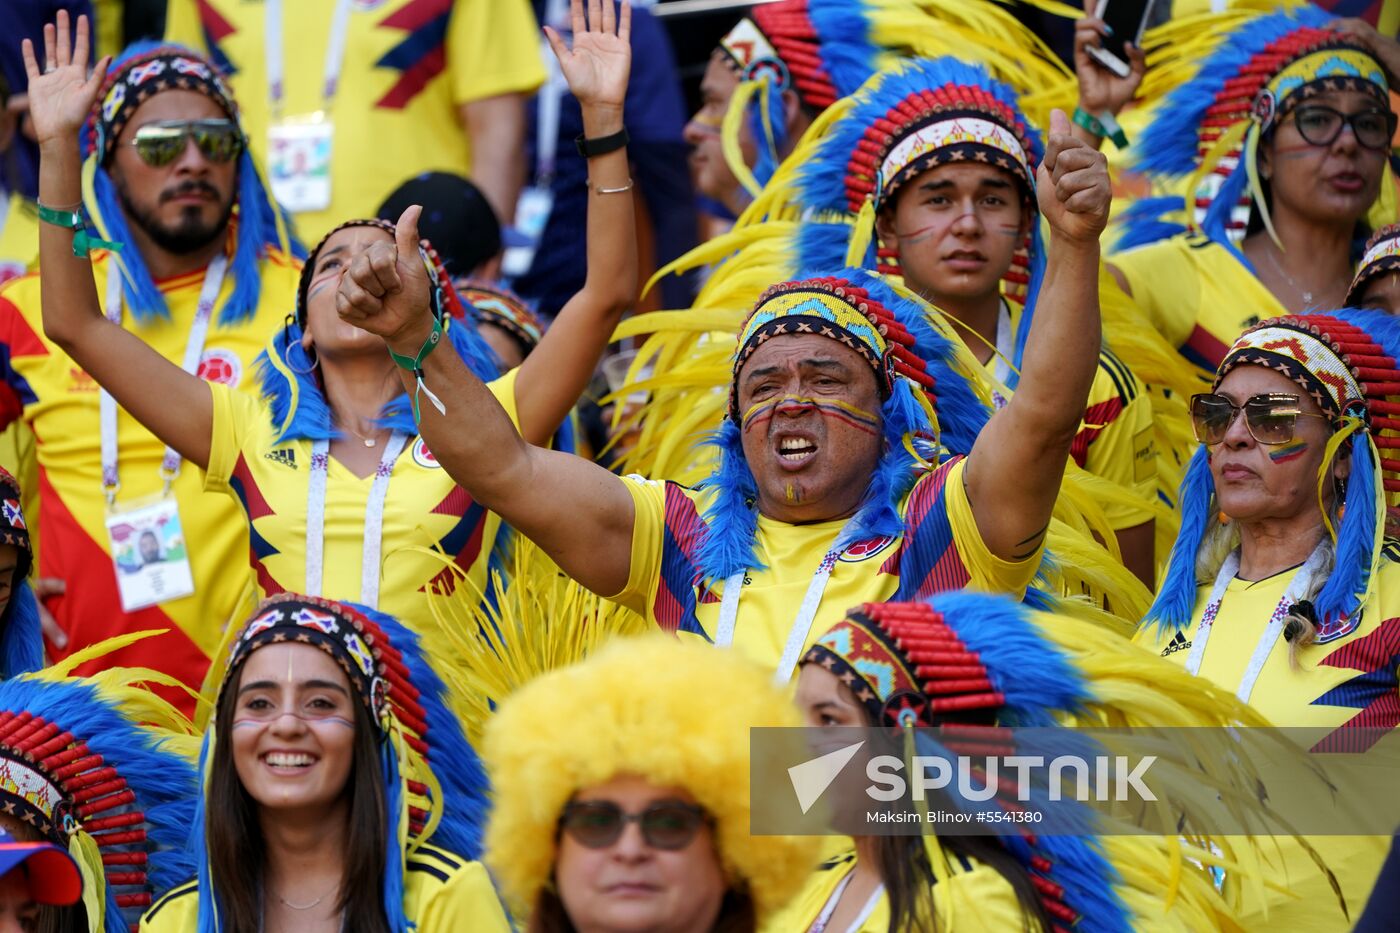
[[532, 212], [149, 553], [299, 163]]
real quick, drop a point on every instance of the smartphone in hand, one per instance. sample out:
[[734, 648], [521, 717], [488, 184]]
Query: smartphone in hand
[[1128, 19]]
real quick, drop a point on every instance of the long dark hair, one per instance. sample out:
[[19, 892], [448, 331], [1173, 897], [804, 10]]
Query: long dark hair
[[237, 851], [736, 914], [908, 877]]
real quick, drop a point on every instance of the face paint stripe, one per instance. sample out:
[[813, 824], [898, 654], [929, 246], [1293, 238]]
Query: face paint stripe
[[832, 408], [1288, 452]]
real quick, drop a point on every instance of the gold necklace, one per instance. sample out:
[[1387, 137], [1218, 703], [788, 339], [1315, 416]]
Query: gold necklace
[[369, 442]]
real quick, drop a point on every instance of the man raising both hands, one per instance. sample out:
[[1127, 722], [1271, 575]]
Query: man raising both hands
[[813, 464]]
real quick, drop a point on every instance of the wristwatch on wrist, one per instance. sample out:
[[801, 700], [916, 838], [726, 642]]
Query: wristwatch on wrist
[[602, 145]]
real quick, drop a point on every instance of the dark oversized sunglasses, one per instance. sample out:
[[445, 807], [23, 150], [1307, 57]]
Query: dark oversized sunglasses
[[1271, 418], [599, 824], [1320, 125], [162, 142]]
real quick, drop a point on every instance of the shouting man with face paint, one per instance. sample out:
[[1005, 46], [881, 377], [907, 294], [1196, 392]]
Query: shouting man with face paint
[[828, 491]]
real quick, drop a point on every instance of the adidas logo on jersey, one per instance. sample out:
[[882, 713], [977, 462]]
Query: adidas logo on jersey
[[284, 457], [1178, 643]]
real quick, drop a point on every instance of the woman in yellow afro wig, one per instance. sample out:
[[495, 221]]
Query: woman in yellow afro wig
[[648, 731]]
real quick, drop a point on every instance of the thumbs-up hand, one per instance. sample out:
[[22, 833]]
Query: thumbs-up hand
[[385, 289], [1072, 185]]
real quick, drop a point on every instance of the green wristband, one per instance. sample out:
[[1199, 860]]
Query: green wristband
[[1103, 126], [73, 220], [414, 364]]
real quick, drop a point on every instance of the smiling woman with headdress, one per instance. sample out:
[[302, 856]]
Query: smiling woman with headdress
[[331, 764]]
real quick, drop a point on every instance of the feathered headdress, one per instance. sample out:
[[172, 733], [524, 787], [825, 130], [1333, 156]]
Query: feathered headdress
[[1346, 362], [434, 785], [104, 768], [631, 710], [825, 49], [1382, 255], [926, 401], [1207, 130], [494, 304], [21, 638], [288, 374], [143, 70], [972, 665], [905, 121]]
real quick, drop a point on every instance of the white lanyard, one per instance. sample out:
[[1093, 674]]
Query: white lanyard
[[194, 349], [374, 519], [801, 625], [1272, 630], [276, 64], [824, 918], [1006, 346]]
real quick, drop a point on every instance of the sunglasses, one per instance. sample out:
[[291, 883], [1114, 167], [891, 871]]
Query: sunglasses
[[1320, 126], [599, 824], [162, 142], [1270, 418]]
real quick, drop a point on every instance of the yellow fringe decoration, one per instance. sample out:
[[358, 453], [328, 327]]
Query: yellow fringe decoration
[[862, 232], [729, 133]]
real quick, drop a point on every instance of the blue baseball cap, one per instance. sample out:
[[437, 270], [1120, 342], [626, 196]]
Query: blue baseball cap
[[52, 873]]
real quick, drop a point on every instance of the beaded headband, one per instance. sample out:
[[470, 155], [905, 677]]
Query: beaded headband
[[840, 310], [499, 306], [133, 82]]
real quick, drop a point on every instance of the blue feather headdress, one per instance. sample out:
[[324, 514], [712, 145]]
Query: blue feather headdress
[[1010, 675], [909, 119], [142, 69], [435, 787], [21, 639], [288, 374], [1321, 352], [852, 305], [1206, 133], [119, 787]]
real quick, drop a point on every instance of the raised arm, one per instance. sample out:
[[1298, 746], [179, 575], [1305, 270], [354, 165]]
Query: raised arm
[[554, 376], [176, 406], [579, 513], [1013, 473]]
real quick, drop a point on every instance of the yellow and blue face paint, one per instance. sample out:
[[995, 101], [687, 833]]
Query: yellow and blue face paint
[[1286, 453], [762, 412]]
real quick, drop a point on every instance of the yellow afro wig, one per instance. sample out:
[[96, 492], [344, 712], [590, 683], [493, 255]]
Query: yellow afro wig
[[676, 714]]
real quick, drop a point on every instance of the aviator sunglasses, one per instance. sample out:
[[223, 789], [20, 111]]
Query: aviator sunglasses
[[1320, 126], [1270, 417], [161, 143], [599, 824]]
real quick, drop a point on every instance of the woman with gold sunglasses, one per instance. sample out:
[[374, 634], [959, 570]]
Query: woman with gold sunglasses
[[1280, 587]]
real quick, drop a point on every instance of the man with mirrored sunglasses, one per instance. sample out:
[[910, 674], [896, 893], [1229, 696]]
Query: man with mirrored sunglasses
[[204, 274]]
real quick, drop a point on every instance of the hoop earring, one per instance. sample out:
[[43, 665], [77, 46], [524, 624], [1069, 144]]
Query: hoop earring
[[315, 361]]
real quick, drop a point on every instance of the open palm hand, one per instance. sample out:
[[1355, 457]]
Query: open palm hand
[[598, 65], [61, 93]]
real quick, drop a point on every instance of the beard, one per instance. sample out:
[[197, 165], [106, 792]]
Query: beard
[[188, 234]]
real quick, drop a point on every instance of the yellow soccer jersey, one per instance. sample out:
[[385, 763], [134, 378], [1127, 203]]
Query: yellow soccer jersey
[[976, 897], [1347, 679], [59, 401], [443, 893], [424, 508], [940, 550], [19, 236], [408, 65], [1116, 440], [1197, 295]]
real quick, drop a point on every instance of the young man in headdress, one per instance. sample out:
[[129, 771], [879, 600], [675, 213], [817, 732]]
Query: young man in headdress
[[205, 276], [823, 497]]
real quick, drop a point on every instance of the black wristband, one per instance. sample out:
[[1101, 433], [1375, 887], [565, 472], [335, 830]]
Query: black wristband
[[588, 148]]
